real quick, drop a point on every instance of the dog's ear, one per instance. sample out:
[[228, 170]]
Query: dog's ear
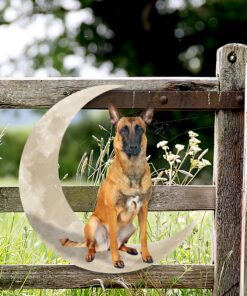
[[115, 115], [147, 114]]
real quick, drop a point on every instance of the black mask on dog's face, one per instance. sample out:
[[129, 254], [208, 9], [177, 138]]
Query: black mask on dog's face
[[131, 129], [132, 138]]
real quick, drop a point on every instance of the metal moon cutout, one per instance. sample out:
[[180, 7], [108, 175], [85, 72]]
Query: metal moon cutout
[[43, 199]]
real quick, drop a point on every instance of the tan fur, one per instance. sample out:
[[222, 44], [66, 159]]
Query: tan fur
[[124, 194]]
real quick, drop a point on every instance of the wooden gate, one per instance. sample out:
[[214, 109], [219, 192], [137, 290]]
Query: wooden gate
[[223, 95]]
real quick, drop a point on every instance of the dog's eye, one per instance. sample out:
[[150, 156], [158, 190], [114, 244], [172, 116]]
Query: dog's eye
[[124, 130], [138, 129]]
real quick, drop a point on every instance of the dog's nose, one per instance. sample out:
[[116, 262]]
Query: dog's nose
[[133, 147]]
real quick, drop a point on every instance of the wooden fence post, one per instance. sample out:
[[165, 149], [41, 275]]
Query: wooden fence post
[[230, 69], [243, 274]]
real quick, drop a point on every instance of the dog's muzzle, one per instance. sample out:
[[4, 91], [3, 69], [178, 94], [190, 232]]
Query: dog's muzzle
[[133, 150]]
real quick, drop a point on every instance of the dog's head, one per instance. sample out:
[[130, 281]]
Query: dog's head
[[130, 131]]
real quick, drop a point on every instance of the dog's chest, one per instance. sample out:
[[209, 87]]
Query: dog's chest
[[131, 202], [128, 207]]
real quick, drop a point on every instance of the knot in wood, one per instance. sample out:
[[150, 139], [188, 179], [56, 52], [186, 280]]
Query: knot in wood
[[67, 92]]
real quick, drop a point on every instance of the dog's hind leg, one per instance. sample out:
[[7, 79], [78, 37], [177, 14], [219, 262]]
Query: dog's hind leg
[[129, 250], [124, 235]]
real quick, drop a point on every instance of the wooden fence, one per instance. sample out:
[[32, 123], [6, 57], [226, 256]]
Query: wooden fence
[[223, 95]]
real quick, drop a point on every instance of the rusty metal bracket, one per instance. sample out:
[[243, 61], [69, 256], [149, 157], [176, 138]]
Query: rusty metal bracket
[[171, 100]]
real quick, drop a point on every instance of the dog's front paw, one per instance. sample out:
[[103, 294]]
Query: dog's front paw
[[147, 259], [89, 257], [119, 264]]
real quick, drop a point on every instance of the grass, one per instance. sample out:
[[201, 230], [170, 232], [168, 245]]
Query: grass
[[19, 244]]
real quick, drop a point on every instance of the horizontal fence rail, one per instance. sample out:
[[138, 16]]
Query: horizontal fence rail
[[70, 276], [164, 93], [165, 198]]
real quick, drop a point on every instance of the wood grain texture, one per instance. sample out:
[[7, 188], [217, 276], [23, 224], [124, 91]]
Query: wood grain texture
[[228, 174], [243, 267], [70, 276], [182, 93], [165, 198]]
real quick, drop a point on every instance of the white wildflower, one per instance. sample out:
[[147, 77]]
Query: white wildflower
[[179, 147], [194, 141], [206, 162], [192, 134], [195, 163], [171, 158], [162, 145], [200, 164], [195, 149], [167, 172]]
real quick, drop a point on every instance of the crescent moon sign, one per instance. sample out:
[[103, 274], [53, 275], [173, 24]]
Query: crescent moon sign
[[43, 199]]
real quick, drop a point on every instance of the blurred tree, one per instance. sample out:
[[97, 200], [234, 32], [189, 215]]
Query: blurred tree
[[145, 38]]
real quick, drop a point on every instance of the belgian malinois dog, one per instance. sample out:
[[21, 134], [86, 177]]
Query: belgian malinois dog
[[124, 193]]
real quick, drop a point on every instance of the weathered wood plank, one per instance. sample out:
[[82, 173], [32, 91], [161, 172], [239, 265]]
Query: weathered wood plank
[[161, 100], [129, 83], [231, 59], [70, 276], [165, 93], [243, 269], [184, 100], [165, 198]]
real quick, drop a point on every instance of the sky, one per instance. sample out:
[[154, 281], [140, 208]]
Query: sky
[[19, 35], [17, 118], [26, 31]]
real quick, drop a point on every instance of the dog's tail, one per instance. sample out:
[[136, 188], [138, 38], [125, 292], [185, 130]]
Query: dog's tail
[[66, 242]]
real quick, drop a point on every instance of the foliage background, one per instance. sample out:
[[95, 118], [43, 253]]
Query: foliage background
[[138, 38]]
